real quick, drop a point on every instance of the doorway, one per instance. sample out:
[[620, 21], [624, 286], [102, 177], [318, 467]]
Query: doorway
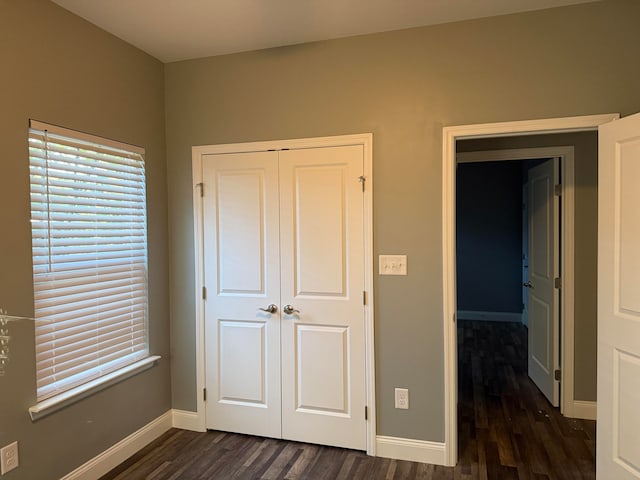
[[492, 250], [265, 213], [450, 136]]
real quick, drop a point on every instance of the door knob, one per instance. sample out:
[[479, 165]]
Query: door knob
[[270, 309], [289, 310], [528, 285]]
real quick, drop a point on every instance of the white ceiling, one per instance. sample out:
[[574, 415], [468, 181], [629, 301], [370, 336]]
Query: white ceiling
[[173, 30]]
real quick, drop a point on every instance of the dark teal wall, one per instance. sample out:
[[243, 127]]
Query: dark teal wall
[[489, 236]]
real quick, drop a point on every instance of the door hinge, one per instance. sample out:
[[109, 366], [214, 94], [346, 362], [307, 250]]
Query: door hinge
[[364, 297], [204, 394], [362, 179], [557, 282], [366, 413], [201, 186], [454, 317], [204, 293], [557, 189], [557, 375]]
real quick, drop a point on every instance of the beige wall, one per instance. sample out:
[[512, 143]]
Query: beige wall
[[403, 87], [586, 242], [59, 69]]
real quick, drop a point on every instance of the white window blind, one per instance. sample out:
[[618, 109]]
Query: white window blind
[[88, 218]]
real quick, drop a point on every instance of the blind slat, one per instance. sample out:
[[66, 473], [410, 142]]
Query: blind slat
[[86, 309], [42, 158], [66, 354], [48, 386]]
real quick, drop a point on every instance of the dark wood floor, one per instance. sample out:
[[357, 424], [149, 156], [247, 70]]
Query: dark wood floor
[[507, 430]]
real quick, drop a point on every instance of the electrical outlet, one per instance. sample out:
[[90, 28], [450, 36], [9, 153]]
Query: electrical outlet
[[9, 458], [402, 398]]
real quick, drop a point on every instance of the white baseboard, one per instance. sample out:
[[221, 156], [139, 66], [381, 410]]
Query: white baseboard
[[118, 453], [389, 447], [582, 409], [411, 450], [492, 316], [187, 421]]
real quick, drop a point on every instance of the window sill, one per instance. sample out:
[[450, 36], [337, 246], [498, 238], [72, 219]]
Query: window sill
[[58, 402]]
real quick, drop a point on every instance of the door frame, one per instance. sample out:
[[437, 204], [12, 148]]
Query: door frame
[[565, 252], [450, 136], [366, 141]]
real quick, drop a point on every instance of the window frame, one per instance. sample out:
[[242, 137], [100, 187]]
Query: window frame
[[60, 392]]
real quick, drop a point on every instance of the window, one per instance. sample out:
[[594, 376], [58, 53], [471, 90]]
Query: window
[[89, 237]]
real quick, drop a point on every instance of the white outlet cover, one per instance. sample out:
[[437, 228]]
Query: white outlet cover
[[9, 458], [402, 398], [392, 264]]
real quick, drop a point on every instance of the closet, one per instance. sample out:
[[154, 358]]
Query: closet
[[284, 323]]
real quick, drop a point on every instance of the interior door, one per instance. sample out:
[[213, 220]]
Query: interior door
[[543, 269], [321, 233], [242, 276], [618, 453]]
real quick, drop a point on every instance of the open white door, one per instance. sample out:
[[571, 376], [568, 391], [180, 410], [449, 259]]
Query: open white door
[[543, 270], [618, 439]]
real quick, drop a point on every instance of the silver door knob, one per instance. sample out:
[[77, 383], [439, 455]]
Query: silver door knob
[[289, 310], [528, 284], [270, 309]]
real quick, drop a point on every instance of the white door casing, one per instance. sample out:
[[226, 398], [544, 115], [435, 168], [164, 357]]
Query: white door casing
[[323, 202], [450, 136], [618, 439], [543, 352]]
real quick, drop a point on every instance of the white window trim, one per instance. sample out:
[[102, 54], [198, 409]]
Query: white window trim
[[62, 400]]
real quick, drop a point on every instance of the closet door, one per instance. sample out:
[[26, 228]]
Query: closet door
[[242, 277], [322, 278]]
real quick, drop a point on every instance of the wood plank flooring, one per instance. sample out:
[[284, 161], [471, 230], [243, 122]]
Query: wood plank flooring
[[507, 430]]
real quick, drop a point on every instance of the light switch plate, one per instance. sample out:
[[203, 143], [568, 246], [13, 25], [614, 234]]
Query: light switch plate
[[392, 264]]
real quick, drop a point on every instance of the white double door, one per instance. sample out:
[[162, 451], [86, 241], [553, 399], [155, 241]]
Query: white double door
[[285, 228]]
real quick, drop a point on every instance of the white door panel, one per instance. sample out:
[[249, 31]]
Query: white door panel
[[543, 268], [318, 246], [241, 362], [332, 344], [321, 211], [242, 276], [618, 454]]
